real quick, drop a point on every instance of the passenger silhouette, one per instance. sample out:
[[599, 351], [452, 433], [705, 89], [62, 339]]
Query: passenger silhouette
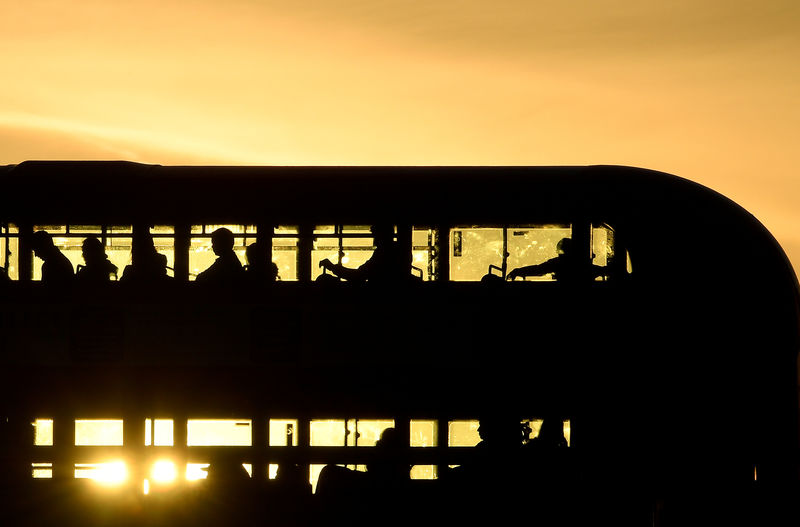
[[147, 265], [231, 497], [555, 486], [551, 435], [382, 488], [388, 263], [227, 268], [98, 269], [56, 268], [492, 481], [259, 268], [567, 267]]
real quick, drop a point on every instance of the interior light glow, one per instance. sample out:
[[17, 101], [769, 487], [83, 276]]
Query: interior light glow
[[196, 471], [107, 474], [164, 471]]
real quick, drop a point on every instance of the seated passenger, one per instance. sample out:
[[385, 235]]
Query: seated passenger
[[259, 268], [147, 265], [56, 269], [388, 264], [98, 269], [226, 268], [566, 267]]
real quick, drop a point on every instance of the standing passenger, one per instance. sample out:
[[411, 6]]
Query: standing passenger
[[227, 268], [56, 269], [98, 269]]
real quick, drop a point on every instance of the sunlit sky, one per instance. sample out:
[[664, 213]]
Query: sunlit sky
[[703, 89]]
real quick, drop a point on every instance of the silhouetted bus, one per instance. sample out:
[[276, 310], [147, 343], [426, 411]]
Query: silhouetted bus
[[668, 352]]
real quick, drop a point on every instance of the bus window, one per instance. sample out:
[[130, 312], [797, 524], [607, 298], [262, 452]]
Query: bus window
[[350, 245], [473, 250], [604, 250], [284, 251], [341, 432], [201, 256], [534, 426], [477, 251], [118, 246], [218, 432], [68, 245], [158, 432], [423, 261], [164, 240], [98, 432], [117, 240], [423, 434], [531, 245], [463, 432], [282, 432], [42, 470], [43, 432], [9, 250]]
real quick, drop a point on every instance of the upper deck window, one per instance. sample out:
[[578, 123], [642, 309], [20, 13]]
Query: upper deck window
[[476, 251], [201, 255], [116, 240], [9, 250], [284, 251], [349, 245]]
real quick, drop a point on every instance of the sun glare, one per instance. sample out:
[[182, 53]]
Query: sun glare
[[107, 474], [164, 471]]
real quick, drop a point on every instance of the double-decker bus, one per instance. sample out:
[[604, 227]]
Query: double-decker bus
[[664, 355]]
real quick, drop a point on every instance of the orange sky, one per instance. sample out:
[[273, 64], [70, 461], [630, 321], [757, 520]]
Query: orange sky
[[703, 89]]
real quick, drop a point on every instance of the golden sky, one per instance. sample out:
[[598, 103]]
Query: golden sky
[[705, 89]]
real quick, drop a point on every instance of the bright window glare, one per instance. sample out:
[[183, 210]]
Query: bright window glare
[[90, 432], [111, 473], [195, 471], [218, 432], [164, 471], [43, 432]]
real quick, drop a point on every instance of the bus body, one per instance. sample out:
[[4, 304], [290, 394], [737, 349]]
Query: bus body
[[675, 369]]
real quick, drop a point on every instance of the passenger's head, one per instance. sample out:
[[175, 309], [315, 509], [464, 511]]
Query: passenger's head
[[221, 241], [42, 244], [551, 433], [142, 246], [564, 246], [382, 233], [93, 250], [256, 254], [500, 430], [387, 465]]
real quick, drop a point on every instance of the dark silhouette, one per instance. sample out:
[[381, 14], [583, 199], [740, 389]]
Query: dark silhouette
[[147, 265], [554, 486], [388, 263], [382, 488], [259, 268], [227, 268], [567, 267], [56, 269], [98, 268], [231, 497], [551, 435], [492, 481]]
